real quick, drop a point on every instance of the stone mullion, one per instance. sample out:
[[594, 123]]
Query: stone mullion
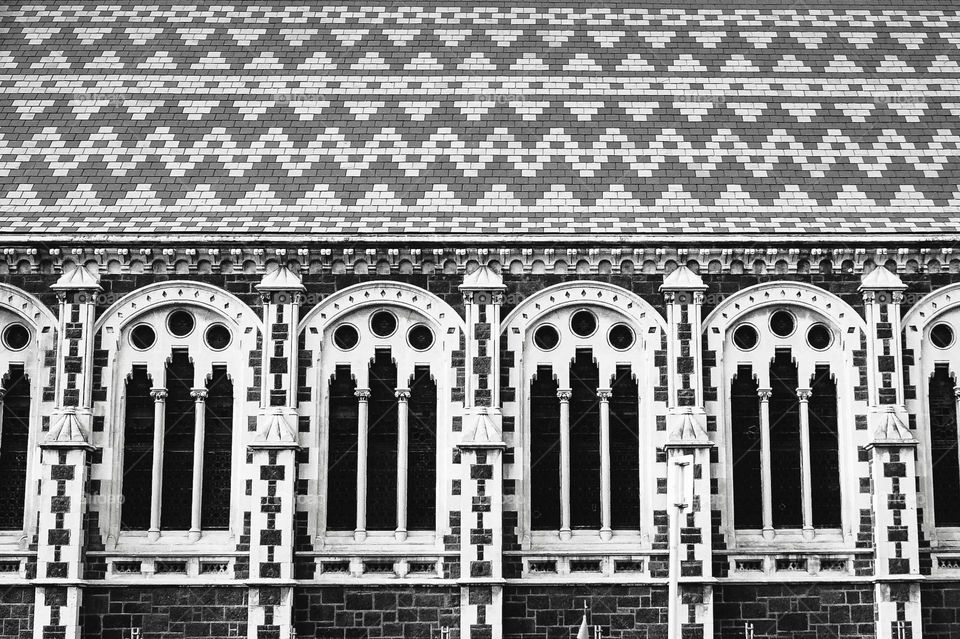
[[199, 433], [766, 470], [893, 464], [606, 532], [806, 491], [159, 396], [363, 412], [403, 459], [564, 395]]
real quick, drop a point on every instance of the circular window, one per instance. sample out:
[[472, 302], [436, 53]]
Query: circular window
[[941, 335], [383, 323], [346, 337], [218, 337], [16, 337], [819, 337], [620, 337], [143, 337], [546, 337], [583, 323], [180, 323], [745, 337], [782, 323], [420, 337]]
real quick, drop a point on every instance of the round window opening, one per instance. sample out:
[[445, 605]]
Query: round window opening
[[546, 337], [819, 337], [16, 337], [745, 337], [420, 337], [941, 335], [583, 323], [621, 337], [143, 337], [383, 323], [782, 323], [180, 323], [346, 337], [218, 337]]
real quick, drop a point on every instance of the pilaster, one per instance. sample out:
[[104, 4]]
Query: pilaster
[[63, 459], [688, 458], [893, 464], [482, 448], [274, 468]]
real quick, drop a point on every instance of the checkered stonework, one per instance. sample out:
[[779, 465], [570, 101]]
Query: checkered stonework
[[446, 118]]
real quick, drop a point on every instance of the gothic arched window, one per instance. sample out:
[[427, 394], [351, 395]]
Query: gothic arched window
[[178, 420], [782, 363]]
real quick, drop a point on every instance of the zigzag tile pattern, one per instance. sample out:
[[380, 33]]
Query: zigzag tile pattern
[[580, 117]]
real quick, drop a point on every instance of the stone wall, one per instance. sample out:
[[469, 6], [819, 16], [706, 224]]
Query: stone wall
[[941, 610], [16, 612]]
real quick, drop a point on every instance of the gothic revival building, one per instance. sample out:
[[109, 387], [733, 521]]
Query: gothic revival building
[[452, 320]]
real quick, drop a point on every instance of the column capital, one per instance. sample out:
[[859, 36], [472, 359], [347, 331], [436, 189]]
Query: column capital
[[803, 394], [199, 394], [158, 394], [564, 394], [604, 394], [362, 394], [402, 394], [764, 394], [956, 393]]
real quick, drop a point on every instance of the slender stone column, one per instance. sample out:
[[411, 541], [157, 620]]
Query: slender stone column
[[606, 532], [766, 471], [403, 459], [564, 394], [199, 432], [363, 420], [806, 486], [159, 396]]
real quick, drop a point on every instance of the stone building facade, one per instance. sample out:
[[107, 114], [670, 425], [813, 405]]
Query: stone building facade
[[465, 321]]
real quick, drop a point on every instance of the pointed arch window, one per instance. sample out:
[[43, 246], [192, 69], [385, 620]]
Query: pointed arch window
[[945, 469], [14, 446]]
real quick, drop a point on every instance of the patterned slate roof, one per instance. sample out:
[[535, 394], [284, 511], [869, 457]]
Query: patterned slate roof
[[600, 117]]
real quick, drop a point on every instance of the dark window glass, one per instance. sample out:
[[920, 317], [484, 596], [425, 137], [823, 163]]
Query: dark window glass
[[782, 323], [745, 413], [824, 450], [137, 451], [218, 337], [176, 495], [383, 323], [180, 323], [544, 451], [13, 448], [584, 442], [943, 447], [941, 335], [621, 337], [422, 452], [546, 337], [217, 451], [583, 323], [143, 337], [819, 337], [382, 444], [785, 442], [420, 337], [745, 337], [625, 451], [342, 452], [16, 337], [346, 337]]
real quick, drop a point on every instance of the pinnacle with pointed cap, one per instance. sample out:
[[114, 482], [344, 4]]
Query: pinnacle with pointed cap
[[276, 432], [484, 433], [891, 429], [683, 279], [483, 279], [79, 279], [66, 431], [689, 431], [881, 279], [280, 279]]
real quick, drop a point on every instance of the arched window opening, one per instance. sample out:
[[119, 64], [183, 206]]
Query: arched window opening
[[785, 442], [745, 410], [14, 446], [422, 468], [584, 441], [178, 444], [382, 443], [825, 449], [943, 446], [342, 451], [544, 451], [217, 452], [137, 451], [625, 449]]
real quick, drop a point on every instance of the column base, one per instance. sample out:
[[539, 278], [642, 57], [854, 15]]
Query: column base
[[565, 534], [769, 533], [359, 535], [153, 534], [400, 534], [809, 533], [606, 534]]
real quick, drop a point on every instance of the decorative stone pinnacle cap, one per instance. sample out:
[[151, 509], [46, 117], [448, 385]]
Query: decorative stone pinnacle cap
[[683, 279], [483, 279], [79, 279], [66, 431], [688, 431], [484, 432], [881, 279], [891, 429], [280, 279], [276, 432]]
